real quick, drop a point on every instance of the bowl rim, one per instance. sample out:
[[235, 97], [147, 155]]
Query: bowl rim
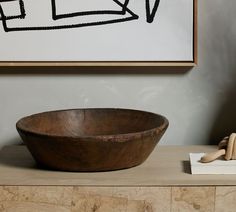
[[124, 136]]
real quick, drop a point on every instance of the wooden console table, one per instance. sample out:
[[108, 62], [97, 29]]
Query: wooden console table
[[162, 183]]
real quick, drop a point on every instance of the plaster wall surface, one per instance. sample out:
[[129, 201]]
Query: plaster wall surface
[[199, 104]]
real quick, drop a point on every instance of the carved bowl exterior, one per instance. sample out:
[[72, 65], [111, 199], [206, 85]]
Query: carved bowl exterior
[[88, 140]]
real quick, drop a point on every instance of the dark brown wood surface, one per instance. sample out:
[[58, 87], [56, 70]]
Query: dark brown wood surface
[[91, 139]]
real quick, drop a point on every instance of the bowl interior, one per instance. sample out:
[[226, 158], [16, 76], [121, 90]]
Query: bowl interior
[[90, 122]]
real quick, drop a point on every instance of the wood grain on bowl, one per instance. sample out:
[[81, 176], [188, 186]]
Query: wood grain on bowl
[[91, 139]]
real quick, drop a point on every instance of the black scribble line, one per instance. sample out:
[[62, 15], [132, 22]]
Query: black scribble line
[[22, 11], [67, 26], [6, 0], [4, 18], [151, 14], [123, 7], [54, 9], [56, 16]]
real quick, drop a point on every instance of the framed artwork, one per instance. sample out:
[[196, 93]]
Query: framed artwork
[[98, 33]]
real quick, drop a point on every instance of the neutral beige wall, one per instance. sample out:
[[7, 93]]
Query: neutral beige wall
[[199, 104]]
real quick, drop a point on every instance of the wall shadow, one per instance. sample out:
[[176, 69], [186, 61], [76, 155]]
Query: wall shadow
[[13, 141], [186, 166], [34, 71], [225, 121], [222, 47], [18, 159]]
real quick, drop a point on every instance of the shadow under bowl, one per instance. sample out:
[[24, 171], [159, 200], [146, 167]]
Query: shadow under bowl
[[86, 140]]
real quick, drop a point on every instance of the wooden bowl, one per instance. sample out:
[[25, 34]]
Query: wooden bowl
[[91, 139]]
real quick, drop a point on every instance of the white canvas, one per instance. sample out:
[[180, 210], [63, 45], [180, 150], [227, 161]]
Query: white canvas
[[169, 37]]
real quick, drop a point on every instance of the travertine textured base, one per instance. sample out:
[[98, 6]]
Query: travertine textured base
[[116, 199]]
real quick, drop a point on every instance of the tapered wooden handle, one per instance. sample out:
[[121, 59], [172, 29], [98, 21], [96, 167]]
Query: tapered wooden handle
[[231, 147], [209, 157], [227, 147]]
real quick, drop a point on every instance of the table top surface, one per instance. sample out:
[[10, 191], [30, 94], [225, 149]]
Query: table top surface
[[166, 166]]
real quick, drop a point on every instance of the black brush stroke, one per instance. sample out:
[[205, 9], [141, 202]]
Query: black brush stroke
[[124, 5], [14, 29], [56, 16], [12, 17], [22, 11], [4, 19], [8, 29], [22, 8], [6, 0], [151, 14]]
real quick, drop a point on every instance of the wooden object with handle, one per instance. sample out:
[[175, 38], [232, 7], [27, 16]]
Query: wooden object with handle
[[227, 148]]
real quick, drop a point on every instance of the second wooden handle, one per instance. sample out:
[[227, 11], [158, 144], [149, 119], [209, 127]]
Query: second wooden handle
[[212, 156]]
